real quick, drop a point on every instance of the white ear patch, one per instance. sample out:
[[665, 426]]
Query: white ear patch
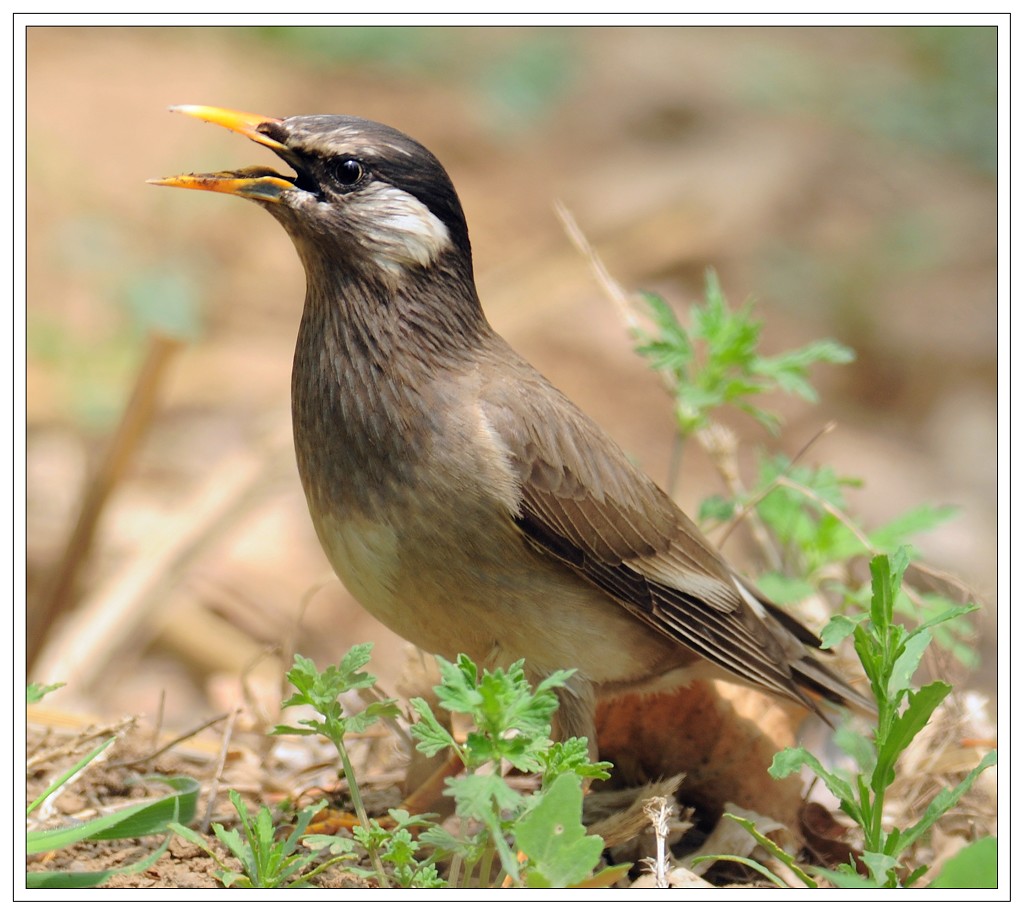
[[398, 230]]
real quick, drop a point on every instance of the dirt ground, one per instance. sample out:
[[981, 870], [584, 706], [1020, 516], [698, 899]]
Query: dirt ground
[[844, 178]]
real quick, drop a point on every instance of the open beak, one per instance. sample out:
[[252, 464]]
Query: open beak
[[256, 182]]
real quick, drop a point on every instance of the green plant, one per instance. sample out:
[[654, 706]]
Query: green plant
[[799, 517], [267, 862], [715, 362], [397, 845], [537, 838], [890, 656], [320, 691], [134, 821], [797, 514]]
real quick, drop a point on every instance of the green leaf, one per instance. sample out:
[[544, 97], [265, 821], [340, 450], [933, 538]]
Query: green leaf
[[572, 755], [458, 687], [348, 671], [773, 848], [716, 508], [945, 615], [431, 737], [882, 868], [715, 362], [266, 861], [70, 772], [839, 628], [846, 879], [71, 880], [369, 716], [484, 797], [34, 692], [137, 820], [900, 529], [974, 867], [920, 705], [783, 589], [905, 666], [753, 865], [886, 580], [792, 759], [945, 800], [559, 850]]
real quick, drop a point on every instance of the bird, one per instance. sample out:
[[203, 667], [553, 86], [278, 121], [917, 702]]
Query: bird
[[460, 497]]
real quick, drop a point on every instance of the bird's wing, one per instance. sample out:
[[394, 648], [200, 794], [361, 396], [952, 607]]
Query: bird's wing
[[583, 502]]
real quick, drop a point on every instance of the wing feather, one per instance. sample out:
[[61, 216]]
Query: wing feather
[[583, 502]]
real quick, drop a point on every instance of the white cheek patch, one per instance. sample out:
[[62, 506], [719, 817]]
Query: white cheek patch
[[398, 230]]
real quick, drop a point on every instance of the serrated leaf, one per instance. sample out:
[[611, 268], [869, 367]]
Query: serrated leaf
[[552, 837], [898, 531], [356, 657], [369, 716], [572, 755], [483, 797], [457, 690], [430, 736]]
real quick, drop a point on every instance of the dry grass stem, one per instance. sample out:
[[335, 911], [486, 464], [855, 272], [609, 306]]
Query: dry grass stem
[[135, 420]]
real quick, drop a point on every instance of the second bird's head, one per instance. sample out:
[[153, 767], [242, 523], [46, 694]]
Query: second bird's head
[[364, 197]]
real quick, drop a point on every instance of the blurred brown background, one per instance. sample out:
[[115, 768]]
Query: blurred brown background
[[845, 178]]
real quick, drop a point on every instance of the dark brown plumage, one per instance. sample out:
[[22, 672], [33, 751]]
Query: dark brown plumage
[[461, 498]]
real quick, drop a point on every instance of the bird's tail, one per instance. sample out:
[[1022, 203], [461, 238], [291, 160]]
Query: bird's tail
[[810, 673]]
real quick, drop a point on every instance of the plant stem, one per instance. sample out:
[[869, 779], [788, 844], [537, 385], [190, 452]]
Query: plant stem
[[357, 803]]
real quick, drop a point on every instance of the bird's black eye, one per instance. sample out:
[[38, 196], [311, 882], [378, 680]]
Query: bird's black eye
[[347, 171]]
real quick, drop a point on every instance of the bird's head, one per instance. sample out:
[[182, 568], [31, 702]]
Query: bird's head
[[363, 195]]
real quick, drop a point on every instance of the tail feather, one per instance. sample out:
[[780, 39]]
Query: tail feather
[[809, 673]]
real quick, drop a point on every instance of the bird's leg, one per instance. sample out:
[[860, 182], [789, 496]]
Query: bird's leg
[[577, 704]]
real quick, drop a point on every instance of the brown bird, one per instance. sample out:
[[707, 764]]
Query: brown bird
[[460, 497]]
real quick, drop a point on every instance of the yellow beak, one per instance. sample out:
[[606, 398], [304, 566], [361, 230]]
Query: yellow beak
[[257, 183]]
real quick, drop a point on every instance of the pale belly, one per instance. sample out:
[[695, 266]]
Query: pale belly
[[496, 600]]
